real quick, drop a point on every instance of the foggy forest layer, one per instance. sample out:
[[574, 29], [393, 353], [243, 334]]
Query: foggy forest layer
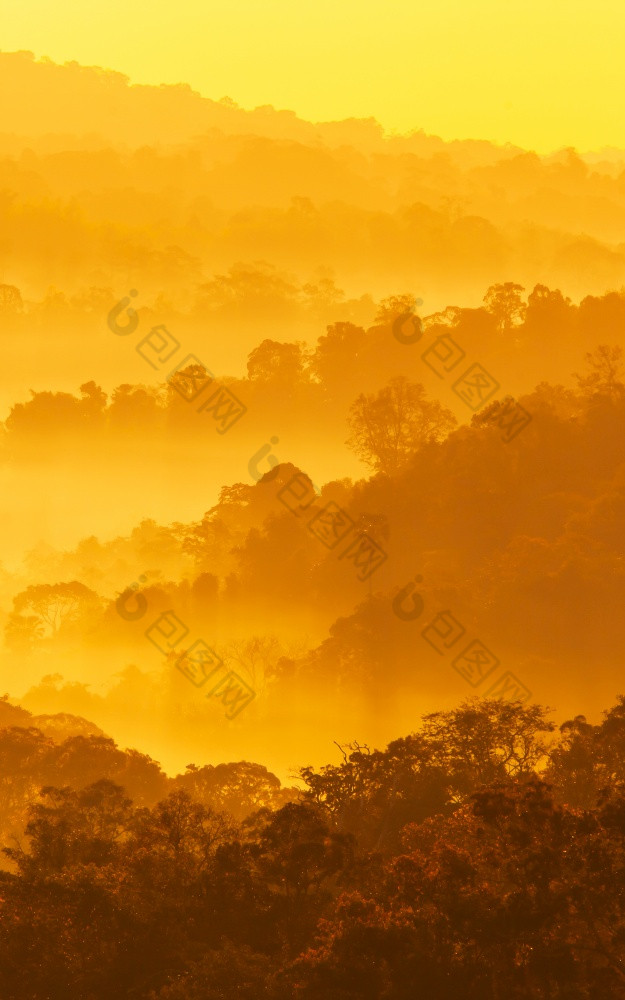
[[312, 451]]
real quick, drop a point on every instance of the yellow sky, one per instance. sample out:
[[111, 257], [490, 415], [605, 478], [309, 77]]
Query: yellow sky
[[539, 73]]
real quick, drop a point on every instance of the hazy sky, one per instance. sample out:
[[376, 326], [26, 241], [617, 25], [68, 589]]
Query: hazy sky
[[542, 75]]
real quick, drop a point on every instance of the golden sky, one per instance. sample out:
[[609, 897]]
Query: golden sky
[[541, 75]]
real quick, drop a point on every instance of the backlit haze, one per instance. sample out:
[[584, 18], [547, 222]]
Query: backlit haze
[[279, 182]]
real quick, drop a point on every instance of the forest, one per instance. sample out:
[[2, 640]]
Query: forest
[[481, 855], [517, 544], [312, 564]]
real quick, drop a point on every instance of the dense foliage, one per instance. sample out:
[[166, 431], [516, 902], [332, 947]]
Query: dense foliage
[[480, 857]]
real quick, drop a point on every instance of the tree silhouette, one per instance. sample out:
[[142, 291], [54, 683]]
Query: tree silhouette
[[10, 299], [273, 361], [605, 373], [388, 427], [504, 302], [56, 604]]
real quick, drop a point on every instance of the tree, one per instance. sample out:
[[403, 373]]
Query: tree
[[272, 360], [322, 296], [389, 426], [339, 355], [487, 740], [605, 373], [255, 288], [68, 828], [374, 794], [504, 302], [56, 604], [256, 659], [512, 896], [180, 828], [548, 312], [588, 762], [93, 402], [298, 851], [133, 405], [238, 789], [394, 306], [10, 299], [21, 632]]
